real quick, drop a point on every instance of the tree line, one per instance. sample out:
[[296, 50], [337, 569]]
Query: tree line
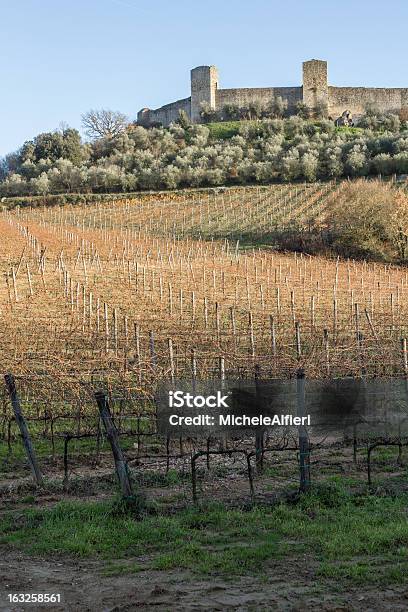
[[123, 156]]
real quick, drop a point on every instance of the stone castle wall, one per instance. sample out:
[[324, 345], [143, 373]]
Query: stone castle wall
[[245, 96], [315, 92], [165, 114], [356, 99]]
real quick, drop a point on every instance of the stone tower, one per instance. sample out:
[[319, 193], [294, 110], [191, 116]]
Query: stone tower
[[315, 84], [204, 83]]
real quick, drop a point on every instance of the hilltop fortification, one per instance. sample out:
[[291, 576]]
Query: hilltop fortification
[[315, 92]]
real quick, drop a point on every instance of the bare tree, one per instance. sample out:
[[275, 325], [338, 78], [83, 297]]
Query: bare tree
[[104, 123]]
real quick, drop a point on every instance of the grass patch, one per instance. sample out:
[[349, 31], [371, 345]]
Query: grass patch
[[363, 572], [16, 460], [224, 129], [87, 530], [360, 538], [355, 131], [232, 560], [225, 541]]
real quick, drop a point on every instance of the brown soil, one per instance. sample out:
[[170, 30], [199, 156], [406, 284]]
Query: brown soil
[[288, 585]]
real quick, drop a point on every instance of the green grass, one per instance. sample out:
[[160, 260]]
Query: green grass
[[387, 455], [223, 130], [231, 560], [16, 461], [363, 572], [189, 539], [350, 130], [361, 539]]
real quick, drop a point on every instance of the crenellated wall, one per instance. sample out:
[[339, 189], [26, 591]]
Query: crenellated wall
[[315, 92]]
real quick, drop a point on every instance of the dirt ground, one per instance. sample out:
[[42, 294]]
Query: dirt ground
[[84, 587]]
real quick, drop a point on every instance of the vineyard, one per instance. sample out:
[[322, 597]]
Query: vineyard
[[101, 304], [117, 297]]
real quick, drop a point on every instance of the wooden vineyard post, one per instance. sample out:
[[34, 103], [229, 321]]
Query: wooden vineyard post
[[404, 355], [172, 379], [259, 436], [171, 358], [233, 327], [137, 345], [30, 285], [326, 350], [312, 314], [15, 401], [115, 330], [273, 335], [221, 367], [14, 277], [153, 358], [405, 362], [304, 452], [8, 290], [113, 437], [105, 316], [193, 370], [298, 342], [251, 335]]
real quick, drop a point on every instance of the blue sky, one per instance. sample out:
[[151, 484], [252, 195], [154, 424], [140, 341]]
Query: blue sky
[[63, 57]]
